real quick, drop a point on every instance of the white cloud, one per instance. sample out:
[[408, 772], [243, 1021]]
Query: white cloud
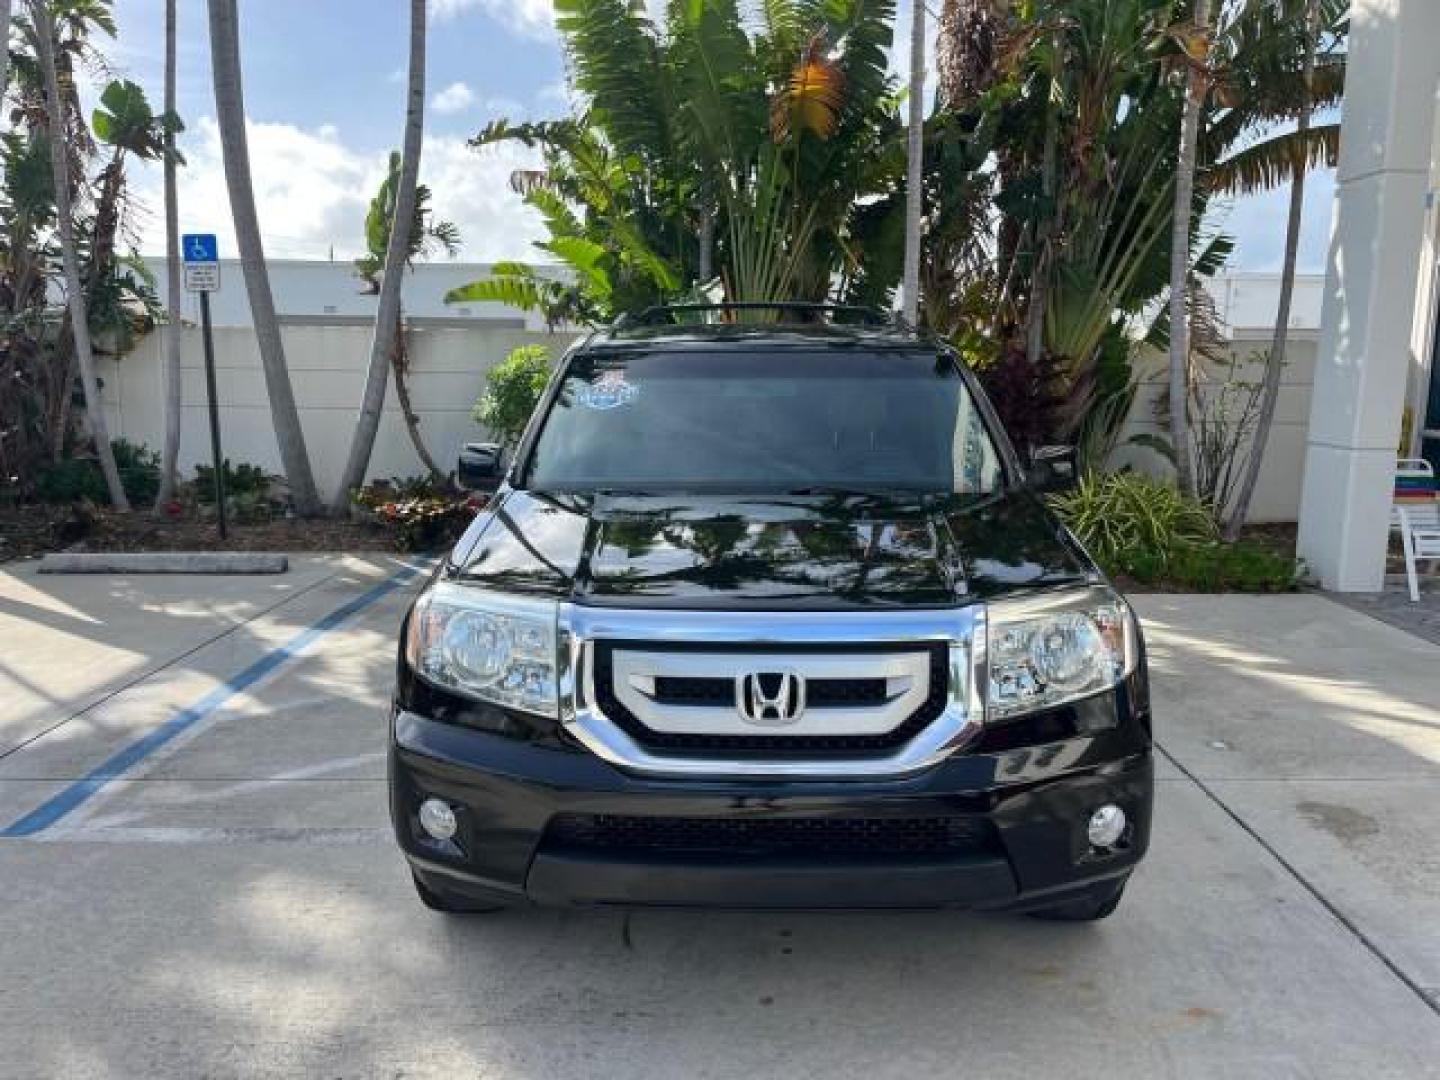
[[457, 97], [312, 191], [1257, 222], [529, 18]]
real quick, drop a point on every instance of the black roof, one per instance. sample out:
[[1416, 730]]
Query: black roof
[[795, 326]]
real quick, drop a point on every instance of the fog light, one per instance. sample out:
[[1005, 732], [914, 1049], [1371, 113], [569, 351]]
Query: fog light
[[437, 819], [1107, 826]]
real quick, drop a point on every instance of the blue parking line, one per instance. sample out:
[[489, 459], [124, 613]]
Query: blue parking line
[[115, 767]]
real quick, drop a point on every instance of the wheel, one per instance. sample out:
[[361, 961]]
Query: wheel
[[1101, 902], [451, 903]]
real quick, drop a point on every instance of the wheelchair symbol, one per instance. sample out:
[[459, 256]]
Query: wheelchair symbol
[[199, 252]]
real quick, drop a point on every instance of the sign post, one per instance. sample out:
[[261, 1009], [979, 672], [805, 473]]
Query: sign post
[[202, 275]]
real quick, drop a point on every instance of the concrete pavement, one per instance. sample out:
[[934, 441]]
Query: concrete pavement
[[231, 903]]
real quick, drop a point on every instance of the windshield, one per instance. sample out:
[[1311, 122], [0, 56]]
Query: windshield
[[755, 421]]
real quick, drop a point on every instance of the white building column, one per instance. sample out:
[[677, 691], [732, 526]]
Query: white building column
[[1370, 290]]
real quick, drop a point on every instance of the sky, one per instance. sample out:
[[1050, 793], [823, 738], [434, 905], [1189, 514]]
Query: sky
[[325, 97]]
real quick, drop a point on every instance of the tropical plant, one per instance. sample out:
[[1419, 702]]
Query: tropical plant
[[40, 365], [427, 234], [1129, 511], [430, 522], [1266, 164], [710, 142], [393, 213], [512, 390], [125, 123], [234, 146], [1056, 117], [1052, 207], [1225, 412], [44, 28]]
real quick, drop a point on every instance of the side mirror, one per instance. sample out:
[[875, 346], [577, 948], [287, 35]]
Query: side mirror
[[1053, 468], [481, 466]]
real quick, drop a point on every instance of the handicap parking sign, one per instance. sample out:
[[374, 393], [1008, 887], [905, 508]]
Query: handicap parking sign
[[202, 262], [200, 248]]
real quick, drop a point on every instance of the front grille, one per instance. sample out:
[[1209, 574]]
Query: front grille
[[761, 838], [819, 693], [773, 746]]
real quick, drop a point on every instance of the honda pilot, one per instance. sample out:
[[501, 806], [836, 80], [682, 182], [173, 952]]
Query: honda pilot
[[766, 612]]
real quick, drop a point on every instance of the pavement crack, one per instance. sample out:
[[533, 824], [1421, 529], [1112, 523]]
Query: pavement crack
[[1429, 996]]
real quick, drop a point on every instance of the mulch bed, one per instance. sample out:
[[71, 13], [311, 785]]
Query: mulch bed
[[31, 531]]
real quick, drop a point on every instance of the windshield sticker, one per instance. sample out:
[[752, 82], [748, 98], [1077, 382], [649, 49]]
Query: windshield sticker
[[609, 391]]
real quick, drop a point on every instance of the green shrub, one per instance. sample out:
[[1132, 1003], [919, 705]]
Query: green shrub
[[1131, 512], [512, 390], [241, 481], [80, 478], [1145, 531], [247, 492], [71, 481], [139, 468], [1215, 567]]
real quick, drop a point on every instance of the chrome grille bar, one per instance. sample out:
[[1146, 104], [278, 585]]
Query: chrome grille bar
[[771, 637]]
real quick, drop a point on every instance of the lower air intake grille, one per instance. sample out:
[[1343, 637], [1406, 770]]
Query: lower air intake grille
[[771, 837]]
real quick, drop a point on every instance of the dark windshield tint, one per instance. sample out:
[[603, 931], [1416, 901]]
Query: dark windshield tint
[[751, 420]]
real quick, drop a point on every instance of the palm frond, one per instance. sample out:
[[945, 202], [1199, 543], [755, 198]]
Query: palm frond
[[516, 292], [812, 97], [616, 63], [585, 257], [1274, 162]]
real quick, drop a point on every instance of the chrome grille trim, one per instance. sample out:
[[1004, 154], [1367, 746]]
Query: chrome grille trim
[[906, 675], [963, 629]]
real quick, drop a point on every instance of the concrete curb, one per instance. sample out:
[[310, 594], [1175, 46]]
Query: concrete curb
[[164, 562]]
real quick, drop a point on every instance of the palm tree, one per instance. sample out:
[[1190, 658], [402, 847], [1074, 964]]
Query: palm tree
[[170, 458], [234, 147], [387, 313], [1296, 164], [425, 235], [914, 163], [1197, 53], [64, 211]]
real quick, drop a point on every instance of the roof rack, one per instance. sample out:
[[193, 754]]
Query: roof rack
[[801, 312]]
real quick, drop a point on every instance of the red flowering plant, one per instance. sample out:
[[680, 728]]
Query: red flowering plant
[[423, 514]]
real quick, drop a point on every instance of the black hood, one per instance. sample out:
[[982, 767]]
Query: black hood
[[776, 552]]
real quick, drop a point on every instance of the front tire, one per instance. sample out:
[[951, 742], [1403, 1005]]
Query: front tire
[[1100, 903], [449, 903]]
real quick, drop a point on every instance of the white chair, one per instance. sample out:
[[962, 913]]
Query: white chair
[[1417, 519]]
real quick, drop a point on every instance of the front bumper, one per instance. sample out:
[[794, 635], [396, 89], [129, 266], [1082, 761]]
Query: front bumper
[[1023, 811]]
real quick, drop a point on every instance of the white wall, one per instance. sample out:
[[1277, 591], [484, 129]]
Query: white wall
[[1247, 302], [309, 290], [451, 352], [1277, 492], [327, 371]]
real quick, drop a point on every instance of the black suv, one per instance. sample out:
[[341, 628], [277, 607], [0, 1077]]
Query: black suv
[[768, 614]]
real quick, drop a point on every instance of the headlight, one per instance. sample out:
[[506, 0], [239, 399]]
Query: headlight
[[496, 648], [1047, 651]]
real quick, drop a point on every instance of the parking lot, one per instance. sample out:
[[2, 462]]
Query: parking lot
[[197, 879]]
